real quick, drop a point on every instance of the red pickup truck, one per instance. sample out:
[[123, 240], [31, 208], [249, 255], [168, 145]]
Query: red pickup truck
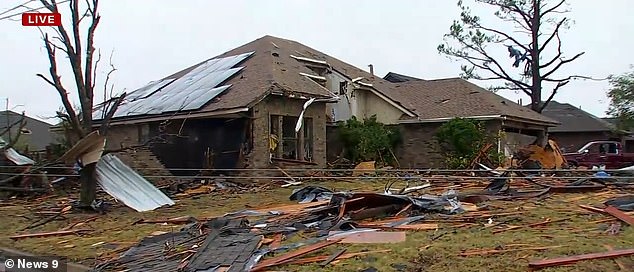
[[601, 153]]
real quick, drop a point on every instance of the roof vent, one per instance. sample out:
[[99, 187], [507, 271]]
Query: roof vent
[[275, 54]]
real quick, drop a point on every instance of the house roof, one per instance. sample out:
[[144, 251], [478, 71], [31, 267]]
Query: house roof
[[397, 78], [574, 119], [270, 68], [456, 97], [39, 136], [279, 67]]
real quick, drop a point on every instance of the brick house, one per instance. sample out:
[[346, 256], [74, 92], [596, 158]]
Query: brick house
[[438, 101], [579, 127], [235, 110]]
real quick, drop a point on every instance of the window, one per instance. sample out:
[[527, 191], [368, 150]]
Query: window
[[343, 87], [284, 143], [606, 148]]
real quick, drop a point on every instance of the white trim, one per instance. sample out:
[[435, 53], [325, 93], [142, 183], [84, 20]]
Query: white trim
[[314, 76], [310, 60], [444, 119]]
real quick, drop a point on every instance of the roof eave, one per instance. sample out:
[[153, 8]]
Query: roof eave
[[445, 119]]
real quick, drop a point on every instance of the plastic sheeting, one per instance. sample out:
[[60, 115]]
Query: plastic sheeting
[[127, 186]]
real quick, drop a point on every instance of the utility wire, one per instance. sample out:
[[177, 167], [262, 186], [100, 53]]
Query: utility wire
[[29, 10]]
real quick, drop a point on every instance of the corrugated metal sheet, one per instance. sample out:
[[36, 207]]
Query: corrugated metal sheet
[[188, 92], [124, 184], [18, 158], [14, 156]]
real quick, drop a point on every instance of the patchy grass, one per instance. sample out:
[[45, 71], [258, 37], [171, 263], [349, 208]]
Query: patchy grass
[[437, 250]]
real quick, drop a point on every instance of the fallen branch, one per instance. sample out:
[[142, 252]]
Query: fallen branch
[[42, 222], [80, 223]]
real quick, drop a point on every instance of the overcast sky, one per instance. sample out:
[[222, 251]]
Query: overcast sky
[[154, 38]]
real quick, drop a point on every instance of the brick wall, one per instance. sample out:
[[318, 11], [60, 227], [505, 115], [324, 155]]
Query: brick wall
[[420, 149], [145, 163], [276, 105], [120, 136]]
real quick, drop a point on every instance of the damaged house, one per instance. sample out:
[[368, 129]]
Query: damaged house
[[236, 110]]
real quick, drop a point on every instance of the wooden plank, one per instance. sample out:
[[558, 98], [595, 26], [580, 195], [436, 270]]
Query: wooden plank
[[325, 257], [374, 237], [290, 255], [48, 234], [583, 257], [619, 263], [620, 215]]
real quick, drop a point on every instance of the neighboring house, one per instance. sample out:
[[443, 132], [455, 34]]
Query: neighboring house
[[438, 101], [35, 136], [579, 127]]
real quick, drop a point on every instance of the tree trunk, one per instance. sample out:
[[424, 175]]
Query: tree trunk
[[536, 92], [88, 178]]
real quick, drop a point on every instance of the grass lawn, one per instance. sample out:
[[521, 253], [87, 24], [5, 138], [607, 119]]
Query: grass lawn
[[574, 231]]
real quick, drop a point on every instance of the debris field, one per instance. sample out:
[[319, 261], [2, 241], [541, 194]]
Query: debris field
[[377, 221]]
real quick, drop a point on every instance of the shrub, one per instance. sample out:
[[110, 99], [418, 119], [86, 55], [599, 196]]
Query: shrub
[[462, 139], [368, 140]]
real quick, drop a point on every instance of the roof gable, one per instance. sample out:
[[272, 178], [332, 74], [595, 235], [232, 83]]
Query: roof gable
[[397, 78], [574, 119], [456, 97]]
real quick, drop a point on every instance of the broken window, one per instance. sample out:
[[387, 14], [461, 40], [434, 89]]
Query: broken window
[[284, 143], [343, 87]]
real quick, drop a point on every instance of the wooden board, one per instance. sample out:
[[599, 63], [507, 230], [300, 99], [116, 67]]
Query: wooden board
[[374, 237], [574, 259]]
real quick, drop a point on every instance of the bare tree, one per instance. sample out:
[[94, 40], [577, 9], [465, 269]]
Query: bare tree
[[66, 41], [534, 43], [16, 127]]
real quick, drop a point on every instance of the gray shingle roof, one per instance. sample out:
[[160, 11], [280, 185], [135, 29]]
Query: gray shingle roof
[[39, 136], [456, 97], [574, 119]]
